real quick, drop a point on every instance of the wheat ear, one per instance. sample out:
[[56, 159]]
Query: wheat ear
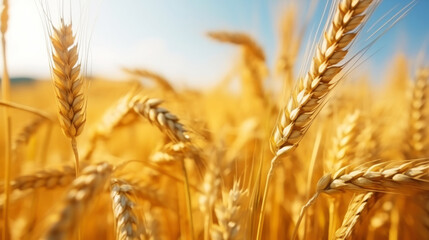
[[119, 114], [229, 214], [253, 62], [308, 96], [170, 153], [43, 179], [416, 138], [21, 140], [404, 177], [127, 224], [158, 79], [239, 39], [344, 151], [211, 186], [345, 142], [83, 190], [358, 209], [68, 84], [162, 118]]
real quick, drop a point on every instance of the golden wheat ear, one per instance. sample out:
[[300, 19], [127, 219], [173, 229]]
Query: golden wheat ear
[[80, 196], [68, 84]]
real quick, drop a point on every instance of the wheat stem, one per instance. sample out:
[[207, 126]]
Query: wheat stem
[[5, 85], [308, 96], [188, 199], [264, 196], [76, 155], [26, 109], [7, 170]]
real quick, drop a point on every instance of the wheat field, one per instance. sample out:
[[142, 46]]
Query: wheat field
[[331, 156]]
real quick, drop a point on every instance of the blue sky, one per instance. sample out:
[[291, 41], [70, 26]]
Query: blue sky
[[168, 36]]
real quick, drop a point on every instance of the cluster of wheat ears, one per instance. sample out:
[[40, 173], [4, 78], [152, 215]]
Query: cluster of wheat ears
[[142, 161]]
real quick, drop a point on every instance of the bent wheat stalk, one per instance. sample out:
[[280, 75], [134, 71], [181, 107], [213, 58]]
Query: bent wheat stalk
[[308, 96], [68, 84]]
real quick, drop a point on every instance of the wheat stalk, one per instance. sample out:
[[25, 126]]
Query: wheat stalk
[[82, 192], [403, 177], [162, 118], [127, 224], [69, 84], [5, 96], [308, 96]]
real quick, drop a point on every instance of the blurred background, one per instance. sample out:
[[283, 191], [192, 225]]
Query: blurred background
[[170, 37]]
